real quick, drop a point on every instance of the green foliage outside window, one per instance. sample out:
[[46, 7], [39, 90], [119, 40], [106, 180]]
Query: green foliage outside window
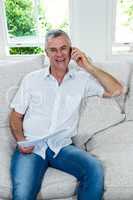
[[20, 19], [26, 50], [21, 22]]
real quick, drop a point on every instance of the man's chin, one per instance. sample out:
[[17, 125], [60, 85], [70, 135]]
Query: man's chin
[[61, 65]]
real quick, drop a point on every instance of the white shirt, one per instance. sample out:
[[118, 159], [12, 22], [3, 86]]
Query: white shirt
[[51, 111]]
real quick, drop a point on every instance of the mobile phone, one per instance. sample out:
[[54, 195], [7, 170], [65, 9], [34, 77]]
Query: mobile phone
[[70, 51]]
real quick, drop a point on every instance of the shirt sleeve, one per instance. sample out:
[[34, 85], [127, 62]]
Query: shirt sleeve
[[22, 98], [93, 87]]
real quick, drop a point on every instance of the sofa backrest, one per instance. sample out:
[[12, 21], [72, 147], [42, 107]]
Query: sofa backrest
[[97, 115], [11, 74], [102, 113], [129, 100]]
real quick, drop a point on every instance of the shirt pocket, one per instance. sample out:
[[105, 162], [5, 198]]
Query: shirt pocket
[[37, 101], [72, 103]]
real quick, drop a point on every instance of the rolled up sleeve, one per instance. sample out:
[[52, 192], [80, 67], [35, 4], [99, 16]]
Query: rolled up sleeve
[[22, 98], [93, 87]]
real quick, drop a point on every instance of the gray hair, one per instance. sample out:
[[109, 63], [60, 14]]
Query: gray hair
[[55, 33]]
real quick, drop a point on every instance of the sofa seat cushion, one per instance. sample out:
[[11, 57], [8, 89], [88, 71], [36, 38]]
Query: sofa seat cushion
[[114, 148], [56, 184]]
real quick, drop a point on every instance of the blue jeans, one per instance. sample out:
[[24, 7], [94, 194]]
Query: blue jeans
[[27, 172]]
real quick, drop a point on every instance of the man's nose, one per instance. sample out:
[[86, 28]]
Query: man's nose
[[59, 53]]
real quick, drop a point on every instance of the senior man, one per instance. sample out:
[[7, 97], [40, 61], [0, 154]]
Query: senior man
[[46, 111]]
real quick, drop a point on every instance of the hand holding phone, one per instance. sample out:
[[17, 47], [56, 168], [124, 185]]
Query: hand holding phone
[[70, 52], [80, 57]]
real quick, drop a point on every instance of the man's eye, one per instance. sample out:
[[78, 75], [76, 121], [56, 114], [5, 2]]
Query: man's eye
[[53, 50], [64, 48]]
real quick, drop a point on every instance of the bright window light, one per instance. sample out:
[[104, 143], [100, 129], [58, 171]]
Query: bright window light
[[123, 32], [124, 21]]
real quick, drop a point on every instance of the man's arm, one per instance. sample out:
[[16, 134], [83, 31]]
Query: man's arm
[[16, 124], [112, 86]]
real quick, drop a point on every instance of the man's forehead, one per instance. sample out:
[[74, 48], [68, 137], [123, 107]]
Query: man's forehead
[[58, 41]]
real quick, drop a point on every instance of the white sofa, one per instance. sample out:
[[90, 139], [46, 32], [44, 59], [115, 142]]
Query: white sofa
[[105, 130]]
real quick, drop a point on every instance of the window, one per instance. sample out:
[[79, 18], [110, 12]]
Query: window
[[123, 34], [28, 20]]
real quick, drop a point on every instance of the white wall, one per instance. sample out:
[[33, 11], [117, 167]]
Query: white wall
[[89, 26]]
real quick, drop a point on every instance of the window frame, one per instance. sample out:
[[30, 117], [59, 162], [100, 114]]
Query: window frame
[[25, 41], [118, 45], [3, 31]]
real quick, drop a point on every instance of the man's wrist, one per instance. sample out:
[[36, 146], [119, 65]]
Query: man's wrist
[[20, 138], [90, 68]]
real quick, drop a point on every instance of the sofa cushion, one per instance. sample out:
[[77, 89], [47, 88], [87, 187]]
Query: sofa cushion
[[129, 100], [11, 74], [121, 71], [7, 145], [96, 114], [114, 148], [57, 184], [101, 113]]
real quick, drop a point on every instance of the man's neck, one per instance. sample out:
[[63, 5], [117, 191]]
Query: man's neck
[[58, 73]]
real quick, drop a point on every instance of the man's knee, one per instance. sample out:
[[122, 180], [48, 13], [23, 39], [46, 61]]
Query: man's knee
[[94, 171], [98, 168]]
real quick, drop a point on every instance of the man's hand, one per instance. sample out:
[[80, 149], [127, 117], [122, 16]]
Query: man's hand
[[80, 58], [26, 150]]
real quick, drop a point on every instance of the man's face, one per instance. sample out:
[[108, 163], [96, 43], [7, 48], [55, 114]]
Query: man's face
[[58, 51]]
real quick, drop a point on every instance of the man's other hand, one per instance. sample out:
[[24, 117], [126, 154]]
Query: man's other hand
[[80, 58], [26, 150]]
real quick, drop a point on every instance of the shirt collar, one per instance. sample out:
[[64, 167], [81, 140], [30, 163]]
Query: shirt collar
[[47, 72], [69, 74]]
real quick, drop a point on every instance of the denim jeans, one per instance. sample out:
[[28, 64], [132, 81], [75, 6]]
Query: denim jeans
[[27, 172]]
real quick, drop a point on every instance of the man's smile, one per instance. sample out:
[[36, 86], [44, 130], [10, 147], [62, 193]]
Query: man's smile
[[59, 60]]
